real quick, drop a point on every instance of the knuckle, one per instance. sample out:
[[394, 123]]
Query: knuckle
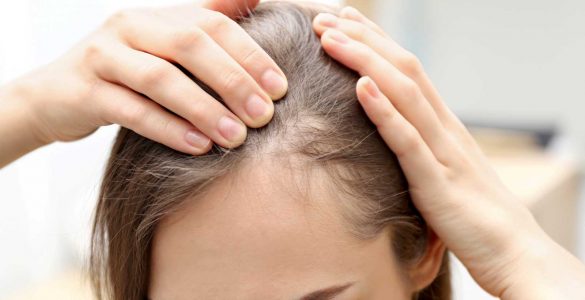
[[410, 89], [234, 80], [118, 18], [451, 174], [187, 39], [93, 52], [216, 22], [166, 125], [410, 64], [444, 156], [387, 117], [251, 57], [132, 115], [197, 112], [411, 140], [153, 73], [360, 31], [97, 51]]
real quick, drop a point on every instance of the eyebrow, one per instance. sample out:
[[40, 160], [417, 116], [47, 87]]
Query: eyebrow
[[327, 293]]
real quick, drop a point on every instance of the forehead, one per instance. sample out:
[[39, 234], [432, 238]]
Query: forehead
[[257, 228]]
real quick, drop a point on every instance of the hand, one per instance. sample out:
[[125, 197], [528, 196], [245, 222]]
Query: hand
[[122, 73], [450, 180]]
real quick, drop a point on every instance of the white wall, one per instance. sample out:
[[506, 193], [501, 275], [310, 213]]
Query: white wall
[[513, 61], [500, 60]]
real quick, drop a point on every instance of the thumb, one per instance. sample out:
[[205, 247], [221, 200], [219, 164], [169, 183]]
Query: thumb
[[231, 8]]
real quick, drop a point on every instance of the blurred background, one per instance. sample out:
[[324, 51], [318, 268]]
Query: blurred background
[[512, 70]]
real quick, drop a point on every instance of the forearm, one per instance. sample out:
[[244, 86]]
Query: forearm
[[17, 132]]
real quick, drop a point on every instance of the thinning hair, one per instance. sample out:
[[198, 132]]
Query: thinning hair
[[319, 123]]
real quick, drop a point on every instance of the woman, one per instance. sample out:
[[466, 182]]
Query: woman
[[313, 201], [449, 180]]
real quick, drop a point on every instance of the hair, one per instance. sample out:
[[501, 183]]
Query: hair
[[319, 122]]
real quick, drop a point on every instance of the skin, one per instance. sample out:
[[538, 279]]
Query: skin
[[451, 182], [252, 236], [109, 73]]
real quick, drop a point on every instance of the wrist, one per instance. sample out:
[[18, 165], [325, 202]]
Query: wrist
[[18, 124], [544, 270], [21, 96]]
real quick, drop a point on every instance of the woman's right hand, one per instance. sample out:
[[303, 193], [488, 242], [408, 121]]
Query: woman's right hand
[[450, 180], [123, 73]]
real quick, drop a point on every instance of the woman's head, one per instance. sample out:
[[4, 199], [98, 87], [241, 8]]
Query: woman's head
[[314, 200]]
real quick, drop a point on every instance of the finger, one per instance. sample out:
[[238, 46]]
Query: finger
[[365, 31], [238, 44], [194, 50], [415, 157], [403, 60], [133, 111], [403, 91], [352, 13], [168, 86], [231, 8]]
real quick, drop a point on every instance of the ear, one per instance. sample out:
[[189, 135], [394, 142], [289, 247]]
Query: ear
[[231, 8], [424, 271]]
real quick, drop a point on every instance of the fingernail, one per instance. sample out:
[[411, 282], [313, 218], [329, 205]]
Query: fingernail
[[197, 139], [371, 88], [256, 107], [327, 20], [230, 128], [338, 36], [274, 84], [352, 13]]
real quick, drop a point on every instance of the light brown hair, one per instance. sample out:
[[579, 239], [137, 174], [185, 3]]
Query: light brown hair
[[319, 121]]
